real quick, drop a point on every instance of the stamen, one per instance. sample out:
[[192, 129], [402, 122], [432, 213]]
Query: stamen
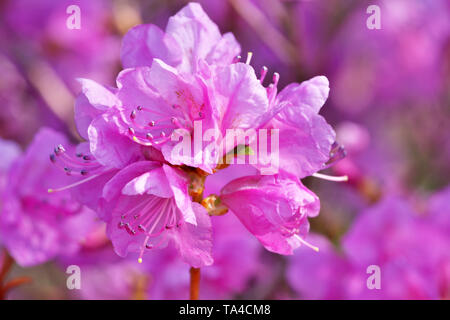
[[330, 178], [249, 57], [337, 153], [154, 220], [276, 78], [263, 74], [74, 184]]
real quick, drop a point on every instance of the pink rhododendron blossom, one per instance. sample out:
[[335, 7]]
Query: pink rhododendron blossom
[[306, 138], [100, 265], [41, 28], [175, 81], [273, 208], [34, 225], [157, 102], [95, 122]]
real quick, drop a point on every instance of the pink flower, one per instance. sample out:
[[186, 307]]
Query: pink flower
[[190, 37], [36, 226], [147, 204], [175, 80], [158, 98], [275, 209], [161, 98], [94, 111]]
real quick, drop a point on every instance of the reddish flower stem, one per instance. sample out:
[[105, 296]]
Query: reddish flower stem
[[195, 283], [196, 188], [12, 284]]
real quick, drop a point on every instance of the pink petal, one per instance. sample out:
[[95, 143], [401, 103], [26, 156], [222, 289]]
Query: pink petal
[[311, 93], [107, 144], [152, 182], [114, 187], [194, 242], [143, 43], [93, 100]]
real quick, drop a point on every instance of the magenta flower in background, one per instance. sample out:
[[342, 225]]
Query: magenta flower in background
[[374, 69], [409, 251], [231, 251], [163, 275], [130, 129], [35, 226], [40, 27], [21, 112]]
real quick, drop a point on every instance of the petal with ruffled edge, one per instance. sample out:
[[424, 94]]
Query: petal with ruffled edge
[[114, 187], [93, 100], [224, 51], [305, 140], [311, 93], [238, 98], [152, 182], [195, 33]]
